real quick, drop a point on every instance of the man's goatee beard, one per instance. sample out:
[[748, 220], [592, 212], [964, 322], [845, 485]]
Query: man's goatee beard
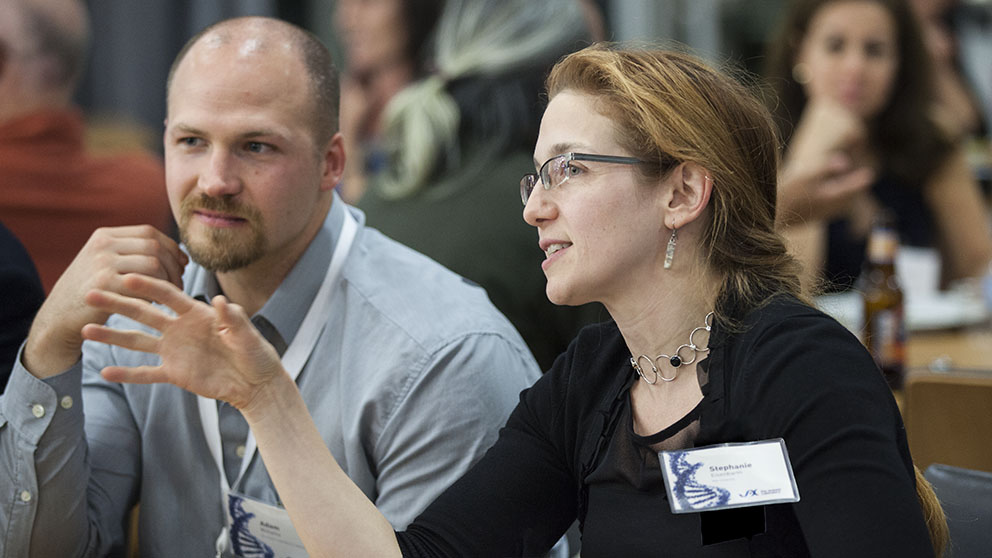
[[222, 250]]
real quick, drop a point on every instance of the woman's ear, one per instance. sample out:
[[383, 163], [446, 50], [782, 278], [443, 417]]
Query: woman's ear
[[691, 188]]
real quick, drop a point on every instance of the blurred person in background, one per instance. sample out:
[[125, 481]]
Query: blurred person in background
[[855, 101], [385, 44], [957, 107], [53, 192], [948, 25], [458, 140]]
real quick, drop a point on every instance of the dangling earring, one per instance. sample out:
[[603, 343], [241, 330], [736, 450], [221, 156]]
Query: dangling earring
[[800, 73], [670, 251]]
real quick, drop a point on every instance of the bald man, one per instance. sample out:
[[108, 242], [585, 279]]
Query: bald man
[[407, 369], [53, 192]]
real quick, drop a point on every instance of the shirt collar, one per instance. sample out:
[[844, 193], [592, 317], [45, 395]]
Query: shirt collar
[[287, 306]]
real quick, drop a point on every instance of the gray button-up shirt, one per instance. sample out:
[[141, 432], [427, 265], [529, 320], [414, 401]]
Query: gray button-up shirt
[[413, 374]]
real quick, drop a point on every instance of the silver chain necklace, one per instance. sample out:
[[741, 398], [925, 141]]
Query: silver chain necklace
[[677, 359]]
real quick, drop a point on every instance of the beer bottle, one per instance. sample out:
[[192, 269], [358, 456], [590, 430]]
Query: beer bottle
[[885, 330]]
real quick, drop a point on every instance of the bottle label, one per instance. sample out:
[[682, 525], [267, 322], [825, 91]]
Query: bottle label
[[887, 335], [882, 246]]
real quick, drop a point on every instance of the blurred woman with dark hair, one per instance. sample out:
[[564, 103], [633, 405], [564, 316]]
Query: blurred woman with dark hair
[[855, 101]]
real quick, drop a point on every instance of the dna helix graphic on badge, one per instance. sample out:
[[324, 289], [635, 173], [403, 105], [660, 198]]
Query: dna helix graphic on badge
[[245, 544], [689, 492]]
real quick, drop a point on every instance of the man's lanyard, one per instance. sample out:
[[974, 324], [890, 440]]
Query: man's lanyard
[[293, 359]]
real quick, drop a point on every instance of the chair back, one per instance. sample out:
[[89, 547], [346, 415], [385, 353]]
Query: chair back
[[948, 419], [966, 496]]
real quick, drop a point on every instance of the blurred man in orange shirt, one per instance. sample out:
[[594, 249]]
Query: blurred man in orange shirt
[[53, 193]]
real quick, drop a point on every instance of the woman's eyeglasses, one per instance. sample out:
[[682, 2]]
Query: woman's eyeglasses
[[558, 169]]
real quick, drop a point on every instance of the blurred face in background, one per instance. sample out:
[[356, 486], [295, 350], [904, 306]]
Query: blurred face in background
[[851, 55], [372, 33]]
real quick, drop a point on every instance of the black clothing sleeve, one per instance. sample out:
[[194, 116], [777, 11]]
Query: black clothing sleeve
[[21, 295], [808, 380], [521, 500]]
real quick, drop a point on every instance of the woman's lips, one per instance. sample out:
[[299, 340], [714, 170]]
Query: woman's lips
[[553, 251]]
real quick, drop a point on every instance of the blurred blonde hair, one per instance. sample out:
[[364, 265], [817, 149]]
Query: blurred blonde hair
[[933, 514], [499, 40]]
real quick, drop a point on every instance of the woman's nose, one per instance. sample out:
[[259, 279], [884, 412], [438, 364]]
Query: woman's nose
[[539, 207]]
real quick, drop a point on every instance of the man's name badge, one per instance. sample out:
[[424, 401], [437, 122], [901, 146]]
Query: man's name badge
[[260, 530], [728, 476]]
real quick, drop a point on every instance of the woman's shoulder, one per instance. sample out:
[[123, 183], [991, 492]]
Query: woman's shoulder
[[795, 363], [794, 334], [792, 341], [785, 313]]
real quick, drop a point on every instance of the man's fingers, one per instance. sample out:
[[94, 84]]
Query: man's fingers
[[146, 264], [133, 340], [135, 375], [138, 310], [160, 258], [174, 262], [160, 291], [230, 315], [153, 252]]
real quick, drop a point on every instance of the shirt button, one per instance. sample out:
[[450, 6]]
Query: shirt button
[[66, 402], [240, 450], [25, 496], [37, 410]]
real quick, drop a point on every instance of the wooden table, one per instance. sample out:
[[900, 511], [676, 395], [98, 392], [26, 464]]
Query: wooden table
[[947, 406], [965, 349]]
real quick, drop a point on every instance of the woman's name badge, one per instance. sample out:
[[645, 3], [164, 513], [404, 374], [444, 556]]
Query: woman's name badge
[[728, 476], [259, 529]]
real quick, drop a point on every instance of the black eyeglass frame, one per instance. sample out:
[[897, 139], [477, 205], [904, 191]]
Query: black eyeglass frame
[[529, 181]]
